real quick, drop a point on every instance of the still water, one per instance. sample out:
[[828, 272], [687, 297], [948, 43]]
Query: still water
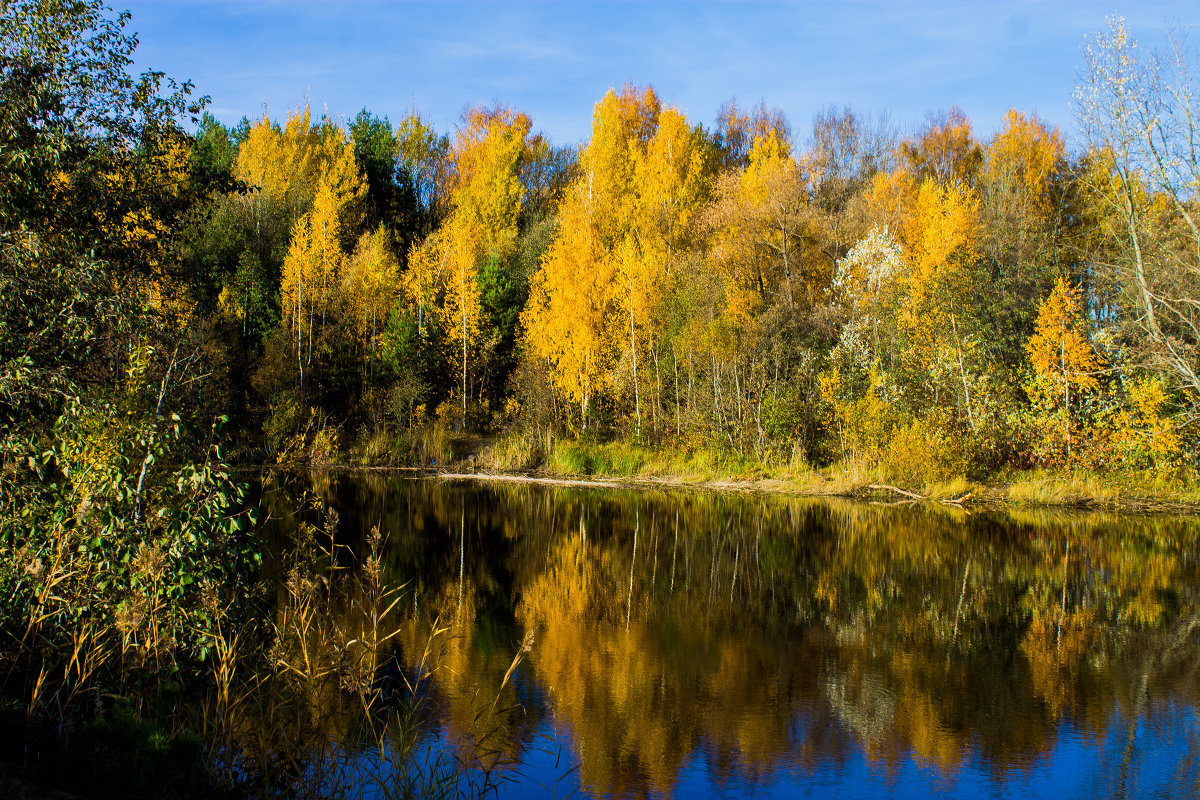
[[692, 644]]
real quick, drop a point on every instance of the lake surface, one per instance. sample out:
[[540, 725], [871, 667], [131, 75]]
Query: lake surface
[[693, 644]]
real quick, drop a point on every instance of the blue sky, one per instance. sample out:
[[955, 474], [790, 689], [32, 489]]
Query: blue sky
[[554, 60]]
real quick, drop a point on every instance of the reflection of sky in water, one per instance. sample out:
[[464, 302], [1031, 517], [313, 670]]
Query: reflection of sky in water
[[924, 673], [1162, 763]]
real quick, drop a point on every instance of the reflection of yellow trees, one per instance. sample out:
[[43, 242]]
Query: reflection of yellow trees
[[605, 684], [1057, 651], [570, 587], [476, 703], [1148, 577], [921, 716], [923, 586], [764, 633], [637, 708], [636, 705], [481, 719], [603, 679]]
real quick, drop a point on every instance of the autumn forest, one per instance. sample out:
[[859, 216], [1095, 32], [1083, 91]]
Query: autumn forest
[[928, 303]]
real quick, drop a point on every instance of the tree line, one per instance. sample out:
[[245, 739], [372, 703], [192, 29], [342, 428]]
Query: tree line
[[842, 294], [931, 302]]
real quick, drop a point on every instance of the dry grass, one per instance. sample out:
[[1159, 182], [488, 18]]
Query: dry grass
[[375, 449], [1079, 488], [1062, 489], [424, 446], [952, 489], [522, 451], [518, 450]]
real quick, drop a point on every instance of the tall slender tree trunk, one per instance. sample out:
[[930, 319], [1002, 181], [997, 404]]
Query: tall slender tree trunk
[[1138, 260], [962, 373], [674, 550], [462, 288], [324, 276], [300, 323], [787, 268], [637, 400], [737, 393], [691, 380], [675, 364], [657, 405], [637, 524], [1066, 391], [462, 558]]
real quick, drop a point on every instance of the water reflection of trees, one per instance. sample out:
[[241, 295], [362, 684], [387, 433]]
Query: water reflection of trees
[[776, 634]]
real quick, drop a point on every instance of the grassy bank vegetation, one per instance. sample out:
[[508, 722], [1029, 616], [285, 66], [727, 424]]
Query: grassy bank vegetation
[[907, 463], [143, 651], [519, 452]]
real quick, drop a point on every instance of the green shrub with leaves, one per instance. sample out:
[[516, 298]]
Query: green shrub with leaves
[[128, 552], [121, 527]]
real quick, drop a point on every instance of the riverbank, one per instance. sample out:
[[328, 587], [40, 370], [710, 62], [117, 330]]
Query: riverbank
[[1025, 488], [565, 462]]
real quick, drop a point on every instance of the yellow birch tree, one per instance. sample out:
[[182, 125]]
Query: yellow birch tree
[[485, 195], [370, 284], [758, 222], [1061, 354], [312, 269], [642, 179]]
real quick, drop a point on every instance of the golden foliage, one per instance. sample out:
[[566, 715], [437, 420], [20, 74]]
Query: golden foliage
[[926, 453], [758, 222], [370, 283], [937, 227], [642, 180], [568, 303], [1061, 355], [1023, 160], [947, 152]]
